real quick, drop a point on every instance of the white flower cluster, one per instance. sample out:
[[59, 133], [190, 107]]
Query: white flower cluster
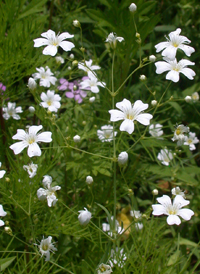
[[169, 50], [113, 228], [183, 136]]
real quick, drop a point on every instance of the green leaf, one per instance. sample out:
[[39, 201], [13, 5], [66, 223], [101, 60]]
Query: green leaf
[[176, 106], [4, 263], [187, 242]]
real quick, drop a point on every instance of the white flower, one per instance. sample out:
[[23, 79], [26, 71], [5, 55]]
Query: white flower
[[152, 58], [31, 109], [30, 139], [154, 103], [59, 60], [76, 138], [130, 113], [31, 169], [50, 100], [195, 96], [48, 192], [179, 134], [138, 226], [31, 84], [175, 68], [122, 158], [188, 99], [84, 216], [106, 133], [177, 191], [89, 180], [2, 172], [92, 99], [11, 111], [136, 214], [113, 38], [92, 83], [104, 269], [165, 156], [46, 78], [45, 247], [2, 214], [173, 210], [87, 66], [191, 140], [156, 130], [118, 257], [175, 42], [132, 7], [53, 41], [112, 228]]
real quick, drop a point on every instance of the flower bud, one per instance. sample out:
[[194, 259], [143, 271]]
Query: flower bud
[[123, 158], [137, 35], [132, 7], [195, 96], [143, 77], [75, 63], [154, 103], [31, 109], [59, 60], [76, 138], [71, 56], [155, 192], [31, 84], [92, 99], [188, 99], [7, 179], [152, 58], [89, 180], [76, 24], [84, 216]]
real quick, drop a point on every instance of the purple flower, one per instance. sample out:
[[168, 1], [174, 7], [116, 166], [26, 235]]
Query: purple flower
[[2, 87], [74, 88]]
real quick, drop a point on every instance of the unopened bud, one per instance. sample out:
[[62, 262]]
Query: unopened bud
[[92, 99], [137, 35], [31, 109], [31, 84], [152, 58], [154, 103], [75, 63], [123, 158], [188, 99], [76, 24], [89, 180], [155, 192], [143, 77], [132, 7], [76, 138], [71, 56], [59, 60], [7, 179]]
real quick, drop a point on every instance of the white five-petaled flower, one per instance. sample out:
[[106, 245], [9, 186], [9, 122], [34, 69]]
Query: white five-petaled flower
[[177, 191], [87, 66], [104, 269], [50, 100], [179, 134], [136, 213], [2, 214], [195, 96], [48, 192], [30, 139], [165, 156], [53, 41], [118, 257], [175, 68], [11, 111], [173, 210], [106, 133], [92, 83], [46, 246], [31, 169], [46, 77], [113, 38], [130, 113], [156, 130], [84, 216], [190, 140], [174, 42], [2, 172]]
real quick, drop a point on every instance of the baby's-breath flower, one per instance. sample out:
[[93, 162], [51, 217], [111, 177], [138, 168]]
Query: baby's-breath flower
[[195, 96], [106, 133], [2, 214], [11, 111], [31, 169], [84, 216], [46, 76], [46, 246], [165, 156], [156, 130], [177, 191], [53, 41], [104, 269], [59, 60], [113, 38], [190, 140], [51, 101], [172, 210]]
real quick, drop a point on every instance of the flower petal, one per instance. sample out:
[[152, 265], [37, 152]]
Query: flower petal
[[173, 75], [50, 50], [44, 137], [173, 220], [18, 147], [127, 125], [185, 213], [116, 115], [158, 210], [34, 150], [144, 118], [66, 46]]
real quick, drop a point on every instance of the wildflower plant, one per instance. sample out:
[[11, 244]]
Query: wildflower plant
[[81, 90]]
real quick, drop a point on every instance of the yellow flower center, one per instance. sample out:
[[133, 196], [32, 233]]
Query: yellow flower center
[[189, 141], [49, 103], [102, 269], [129, 116], [175, 45], [178, 131], [45, 247]]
